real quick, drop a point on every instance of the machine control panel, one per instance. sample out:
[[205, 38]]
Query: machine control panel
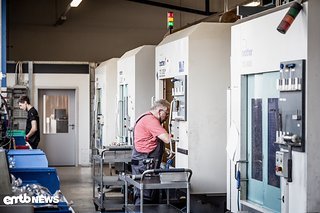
[[179, 93], [291, 85], [282, 163]]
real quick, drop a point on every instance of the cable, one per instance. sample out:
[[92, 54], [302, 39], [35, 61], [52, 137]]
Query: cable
[[238, 178], [238, 200]]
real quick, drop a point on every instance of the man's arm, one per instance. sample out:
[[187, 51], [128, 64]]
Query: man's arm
[[164, 137], [33, 129]]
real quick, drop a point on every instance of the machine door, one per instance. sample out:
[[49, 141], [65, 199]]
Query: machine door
[[57, 118], [262, 123]]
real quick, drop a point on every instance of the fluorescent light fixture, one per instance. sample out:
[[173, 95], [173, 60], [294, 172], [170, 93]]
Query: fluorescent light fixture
[[75, 3], [253, 4]]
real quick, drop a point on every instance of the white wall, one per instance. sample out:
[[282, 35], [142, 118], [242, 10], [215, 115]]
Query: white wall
[[79, 82]]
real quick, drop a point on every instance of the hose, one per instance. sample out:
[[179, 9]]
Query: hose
[[238, 175]]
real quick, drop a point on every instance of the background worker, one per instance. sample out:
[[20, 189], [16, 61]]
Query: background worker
[[32, 125], [149, 139]]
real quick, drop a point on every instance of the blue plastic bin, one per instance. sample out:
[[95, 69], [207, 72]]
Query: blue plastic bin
[[28, 158], [46, 177]]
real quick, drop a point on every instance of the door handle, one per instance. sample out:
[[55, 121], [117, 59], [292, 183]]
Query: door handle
[[72, 126]]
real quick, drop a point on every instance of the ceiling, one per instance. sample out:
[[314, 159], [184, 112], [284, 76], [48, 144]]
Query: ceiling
[[97, 29]]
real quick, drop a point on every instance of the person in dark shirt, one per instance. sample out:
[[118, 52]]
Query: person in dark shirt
[[32, 126]]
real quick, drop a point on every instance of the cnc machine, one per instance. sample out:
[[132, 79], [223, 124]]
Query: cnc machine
[[106, 103], [135, 89], [192, 72], [274, 112]]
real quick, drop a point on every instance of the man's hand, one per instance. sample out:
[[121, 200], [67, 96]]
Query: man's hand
[[164, 137]]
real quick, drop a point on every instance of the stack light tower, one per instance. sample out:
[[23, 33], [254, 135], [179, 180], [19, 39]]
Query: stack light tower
[[170, 21]]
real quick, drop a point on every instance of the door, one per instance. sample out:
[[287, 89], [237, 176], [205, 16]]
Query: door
[[262, 123], [58, 128]]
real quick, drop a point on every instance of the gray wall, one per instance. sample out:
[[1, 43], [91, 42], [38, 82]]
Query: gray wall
[[95, 31]]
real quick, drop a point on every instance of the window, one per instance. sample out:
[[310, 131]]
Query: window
[[55, 112]]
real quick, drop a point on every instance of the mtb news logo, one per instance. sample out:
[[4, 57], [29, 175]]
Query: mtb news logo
[[10, 200]]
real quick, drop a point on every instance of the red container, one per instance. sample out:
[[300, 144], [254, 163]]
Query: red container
[[22, 147]]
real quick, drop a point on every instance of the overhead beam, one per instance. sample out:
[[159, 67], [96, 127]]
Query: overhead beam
[[206, 12]]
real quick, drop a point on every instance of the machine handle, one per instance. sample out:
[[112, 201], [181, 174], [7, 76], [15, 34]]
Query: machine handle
[[172, 153], [157, 171], [236, 167], [174, 170]]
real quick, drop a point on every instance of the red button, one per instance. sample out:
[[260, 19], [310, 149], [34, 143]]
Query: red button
[[278, 169]]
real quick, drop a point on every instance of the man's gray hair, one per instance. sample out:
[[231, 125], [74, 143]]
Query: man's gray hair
[[161, 103]]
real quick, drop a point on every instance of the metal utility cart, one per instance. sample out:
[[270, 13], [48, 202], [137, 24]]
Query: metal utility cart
[[101, 182], [178, 178]]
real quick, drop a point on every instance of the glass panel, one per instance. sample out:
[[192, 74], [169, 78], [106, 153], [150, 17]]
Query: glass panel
[[126, 114], [99, 101], [256, 129], [121, 123], [55, 114], [273, 125]]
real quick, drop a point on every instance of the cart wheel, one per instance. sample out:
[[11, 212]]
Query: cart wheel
[[103, 210]]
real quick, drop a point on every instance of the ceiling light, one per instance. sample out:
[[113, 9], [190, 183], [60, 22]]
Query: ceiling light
[[75, 3], [253, 4]]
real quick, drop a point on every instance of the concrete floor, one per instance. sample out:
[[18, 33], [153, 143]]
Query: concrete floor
[[76, 185]]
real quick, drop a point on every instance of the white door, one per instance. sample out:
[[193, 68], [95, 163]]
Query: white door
[[57, 120]]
